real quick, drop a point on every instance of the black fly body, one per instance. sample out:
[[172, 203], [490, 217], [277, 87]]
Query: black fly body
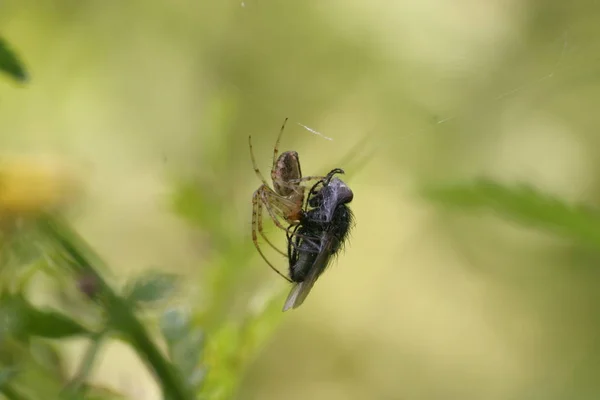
[[319, 236]]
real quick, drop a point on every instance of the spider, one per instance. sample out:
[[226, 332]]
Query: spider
[[284, 200], [323, 231]]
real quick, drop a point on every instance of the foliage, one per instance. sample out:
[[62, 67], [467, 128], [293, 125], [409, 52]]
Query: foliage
[[181, 373], [523, 204], [42, 243], [10, 63]]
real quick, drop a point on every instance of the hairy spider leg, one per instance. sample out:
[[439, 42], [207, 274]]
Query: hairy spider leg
[[261, 231], [256, 211], [295, 184], [274, 201], [258, 199], [308, 178], [254, 165], [277, 202], [264, 188]]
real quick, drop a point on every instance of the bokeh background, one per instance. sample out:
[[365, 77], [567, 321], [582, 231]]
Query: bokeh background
[[149, 105]]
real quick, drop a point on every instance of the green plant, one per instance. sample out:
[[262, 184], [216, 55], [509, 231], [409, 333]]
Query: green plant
[[194, 353], [523, 204], [207, 363], [10, 63]]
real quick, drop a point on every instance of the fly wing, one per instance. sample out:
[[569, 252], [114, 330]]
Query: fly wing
[[302, 289]]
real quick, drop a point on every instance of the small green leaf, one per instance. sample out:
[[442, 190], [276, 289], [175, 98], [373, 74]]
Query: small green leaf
[[524, 204], [10, 64], [174, 325], [32, 380], [152, 288], [46, 355], [20, 319], [186, 353], [186, 345], [6, 374], [53, 325]]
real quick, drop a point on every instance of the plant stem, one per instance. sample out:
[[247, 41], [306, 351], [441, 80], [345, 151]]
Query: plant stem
[[87, 363], [121, 313]]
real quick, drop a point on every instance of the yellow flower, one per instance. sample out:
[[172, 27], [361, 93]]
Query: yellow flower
[[29, 185]]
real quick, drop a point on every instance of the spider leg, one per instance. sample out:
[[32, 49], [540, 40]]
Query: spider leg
[[276, 148], [256, 209], [260, 230], [276, 202], [254, 165], [317, 177], [295, 182], [277, 206], [271, 201]]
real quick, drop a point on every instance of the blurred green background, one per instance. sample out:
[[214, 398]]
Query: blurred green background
[[150, 104]]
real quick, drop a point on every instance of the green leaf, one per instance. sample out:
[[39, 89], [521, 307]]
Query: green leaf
[[77, 386], [6, 374], [81, 258], [20, 319], [234, 346], [46, 355], [102, 393], [32, 380], [174, 324], [152, 287], [523, 204], [53, 325], [10, 63], [186, 345], [187, 352]]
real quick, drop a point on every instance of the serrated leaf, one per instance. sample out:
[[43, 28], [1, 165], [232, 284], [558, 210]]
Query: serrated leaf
[[10, 63], [524, 204], [152, 288]]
